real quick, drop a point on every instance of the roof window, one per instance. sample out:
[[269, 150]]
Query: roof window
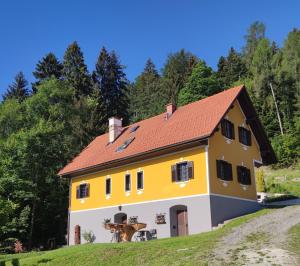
[[124, 145], [133, 129]]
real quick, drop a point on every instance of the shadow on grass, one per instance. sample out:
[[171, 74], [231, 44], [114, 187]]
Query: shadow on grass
[[44, 261]]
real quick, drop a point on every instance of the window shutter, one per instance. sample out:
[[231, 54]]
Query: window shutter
[[223, 127], [229, 171], [249, 176], [174, 173], [238, 169], [249, 138], [240, 135], [219, 169], [191, 169], [232, 130], [77, 192], [87, 190]]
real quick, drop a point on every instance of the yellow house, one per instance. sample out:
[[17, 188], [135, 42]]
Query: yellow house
[[181, 172]]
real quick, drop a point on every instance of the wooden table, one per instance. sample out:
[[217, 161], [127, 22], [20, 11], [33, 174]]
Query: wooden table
[[125, 231]]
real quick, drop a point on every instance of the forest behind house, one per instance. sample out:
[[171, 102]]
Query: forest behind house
[[43, 125]]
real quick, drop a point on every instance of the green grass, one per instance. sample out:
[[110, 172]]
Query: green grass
[[286, 180], [189, 250], [294, 240]]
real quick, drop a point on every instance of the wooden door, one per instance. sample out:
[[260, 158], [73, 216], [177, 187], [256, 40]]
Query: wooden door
[[182, 223], [124, 219]]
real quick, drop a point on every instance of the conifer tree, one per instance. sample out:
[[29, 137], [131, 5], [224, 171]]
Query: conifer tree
[[255, 33], [146, 95], [18, 89], [201, 84], [175, 72], [110, 79], [48, 67], [75, 70], [231, 69]]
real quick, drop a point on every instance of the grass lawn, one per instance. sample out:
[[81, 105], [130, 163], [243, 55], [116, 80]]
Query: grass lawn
[[286, 180], [189, 250], [294, 240]]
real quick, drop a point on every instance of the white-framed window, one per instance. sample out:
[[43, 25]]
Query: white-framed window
[[127, 182], [83, 191], [182, 171], [140, 180], [108, 186]]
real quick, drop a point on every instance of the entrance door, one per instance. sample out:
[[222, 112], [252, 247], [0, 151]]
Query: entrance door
[[182, 223], [120, 218]]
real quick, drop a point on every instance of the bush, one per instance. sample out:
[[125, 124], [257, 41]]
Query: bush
[[260, 181], [287, 148], [88, 236]]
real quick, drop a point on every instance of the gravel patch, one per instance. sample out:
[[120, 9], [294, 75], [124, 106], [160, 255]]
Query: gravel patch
[[261, 241]]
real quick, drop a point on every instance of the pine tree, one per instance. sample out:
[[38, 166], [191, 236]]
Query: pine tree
[[110, 79], [18, 89], [231, 69], [75, 70], [146, 95], [46, 68], [202, 83]]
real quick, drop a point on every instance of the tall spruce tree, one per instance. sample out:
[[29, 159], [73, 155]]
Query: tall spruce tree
[[175, 72], [146, 95], [48, 67], [110, 79], [75, 70], [231, 69], [255, 33], [18, 89]]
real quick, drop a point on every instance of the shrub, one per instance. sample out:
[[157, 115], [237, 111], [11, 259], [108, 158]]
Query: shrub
[[88, 236], [260, 181]]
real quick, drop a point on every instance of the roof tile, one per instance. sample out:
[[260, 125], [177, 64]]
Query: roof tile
[[188, 122]]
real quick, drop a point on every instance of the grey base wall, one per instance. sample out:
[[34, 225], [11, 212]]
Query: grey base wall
[[204, 211], [225, 208], [198, 207]]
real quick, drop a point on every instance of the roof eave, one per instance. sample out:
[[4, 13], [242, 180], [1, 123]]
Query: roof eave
[[139, 157]]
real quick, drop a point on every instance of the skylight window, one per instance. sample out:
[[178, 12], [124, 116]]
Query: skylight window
[[124, 145], [133, 129]]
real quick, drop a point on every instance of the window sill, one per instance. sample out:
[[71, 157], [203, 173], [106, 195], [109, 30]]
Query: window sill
[[227, 140], [244, 187], [225, 183], [182, 184], [127, 193], [108, 196], [140, 191]]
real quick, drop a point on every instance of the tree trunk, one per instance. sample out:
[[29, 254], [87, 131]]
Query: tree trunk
[[32, 223]]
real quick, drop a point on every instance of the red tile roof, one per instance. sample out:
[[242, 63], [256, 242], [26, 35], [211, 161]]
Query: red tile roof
[[192, 121]]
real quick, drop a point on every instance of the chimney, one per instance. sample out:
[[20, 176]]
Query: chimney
[[170, 109], [115, 128]]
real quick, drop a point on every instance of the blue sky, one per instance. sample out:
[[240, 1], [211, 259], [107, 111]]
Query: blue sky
[[136, 30]]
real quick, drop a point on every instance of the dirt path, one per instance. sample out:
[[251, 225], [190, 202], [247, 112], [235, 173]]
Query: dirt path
[[261, 241]]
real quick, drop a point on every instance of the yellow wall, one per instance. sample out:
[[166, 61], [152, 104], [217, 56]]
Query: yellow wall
[[157, 181], [235, 153]]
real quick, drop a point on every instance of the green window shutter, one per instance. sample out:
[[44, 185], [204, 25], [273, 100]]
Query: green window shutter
[[190, 169]]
